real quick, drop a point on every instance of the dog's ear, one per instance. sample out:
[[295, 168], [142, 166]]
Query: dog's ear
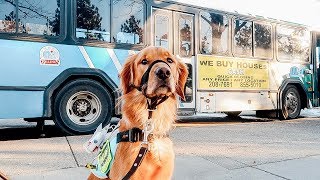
[[183, 75], [126, 74]]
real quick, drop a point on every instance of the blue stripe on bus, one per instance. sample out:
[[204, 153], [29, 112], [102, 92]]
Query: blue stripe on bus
[[24, 69], [122, 55], [102, 60]]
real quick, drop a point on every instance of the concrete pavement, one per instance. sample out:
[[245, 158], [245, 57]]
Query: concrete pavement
[[251, 150]]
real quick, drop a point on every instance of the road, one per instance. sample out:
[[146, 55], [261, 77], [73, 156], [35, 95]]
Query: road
[[210, 147]]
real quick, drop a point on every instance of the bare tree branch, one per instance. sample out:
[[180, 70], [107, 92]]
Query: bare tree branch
[[238, 27], [27, 8]]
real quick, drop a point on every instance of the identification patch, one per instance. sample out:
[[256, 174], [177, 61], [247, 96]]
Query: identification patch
[[105, 157]]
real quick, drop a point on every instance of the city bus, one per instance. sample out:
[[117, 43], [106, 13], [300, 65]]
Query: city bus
[[60, 59]]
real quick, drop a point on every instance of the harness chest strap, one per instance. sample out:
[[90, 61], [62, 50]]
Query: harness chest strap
[[137, 135], [142, 152]]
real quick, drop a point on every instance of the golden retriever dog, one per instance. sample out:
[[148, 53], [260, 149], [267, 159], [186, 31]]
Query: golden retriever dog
[[153, 73]]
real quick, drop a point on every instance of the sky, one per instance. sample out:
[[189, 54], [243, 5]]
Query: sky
[[305, 12]]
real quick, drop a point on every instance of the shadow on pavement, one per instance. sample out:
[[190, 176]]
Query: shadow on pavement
[[19, 133], [21, 130], [221, 117]]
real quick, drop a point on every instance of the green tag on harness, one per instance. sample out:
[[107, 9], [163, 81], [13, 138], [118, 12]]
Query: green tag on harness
[[105, 157]]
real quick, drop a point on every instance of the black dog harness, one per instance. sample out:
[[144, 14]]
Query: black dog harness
[[136, 134]]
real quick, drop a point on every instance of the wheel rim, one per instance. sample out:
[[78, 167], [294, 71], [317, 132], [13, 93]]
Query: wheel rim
[[291, 102], [83, 108]]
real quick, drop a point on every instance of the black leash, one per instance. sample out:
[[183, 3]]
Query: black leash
[[142, 152], [3, 177]]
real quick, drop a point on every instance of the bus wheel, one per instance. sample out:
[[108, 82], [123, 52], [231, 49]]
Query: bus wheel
[[81, 106], [233, 113], [291, 103]]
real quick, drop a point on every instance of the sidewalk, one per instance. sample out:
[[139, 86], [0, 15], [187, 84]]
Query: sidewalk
[[255, 150], [77, 173], [199, 168]]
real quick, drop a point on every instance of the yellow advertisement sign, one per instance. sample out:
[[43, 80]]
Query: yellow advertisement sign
[[232, 73]]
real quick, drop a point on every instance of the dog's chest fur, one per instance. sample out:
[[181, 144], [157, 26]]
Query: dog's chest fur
[[135, 113], [159, 159]]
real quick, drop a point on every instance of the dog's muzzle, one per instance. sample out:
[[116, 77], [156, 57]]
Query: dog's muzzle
[[162, 73]]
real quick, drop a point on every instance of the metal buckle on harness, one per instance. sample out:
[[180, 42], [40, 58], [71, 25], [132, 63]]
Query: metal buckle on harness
[[147, 129]]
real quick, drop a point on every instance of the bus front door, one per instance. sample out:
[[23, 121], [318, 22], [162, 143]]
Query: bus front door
[[175, 32]]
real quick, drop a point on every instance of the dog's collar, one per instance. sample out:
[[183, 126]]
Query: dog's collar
[[131, 135], [136, 135], [155, 101]]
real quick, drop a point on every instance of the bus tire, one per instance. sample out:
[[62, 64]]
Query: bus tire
[[291, 103], [81, 106], [233, 113]]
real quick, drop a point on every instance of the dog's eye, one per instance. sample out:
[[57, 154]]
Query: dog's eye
[[144, 62], [170, 60]]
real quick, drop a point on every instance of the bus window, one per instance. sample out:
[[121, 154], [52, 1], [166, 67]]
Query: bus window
[[93, 20], [7, 18], [214, 33], [128, 21], [39, 17], [188, 90], [262, 40], [285, 42], [242, 37], [293, 44], [185, 35], [302, 47], [162, 31]]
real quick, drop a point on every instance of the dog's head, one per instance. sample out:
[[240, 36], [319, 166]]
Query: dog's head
[[156, 72]]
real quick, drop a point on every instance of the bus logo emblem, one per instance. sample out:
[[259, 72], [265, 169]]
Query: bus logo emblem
[[49, 56]]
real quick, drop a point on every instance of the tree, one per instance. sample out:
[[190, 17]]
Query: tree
[[9, 23], [218, 26], [131, 25], [262, 36], [88, 16], [242, 32], [55, 23], [243, 36], [27, 9], [185, 38], [10, 17], [294, 44], [185, 33]]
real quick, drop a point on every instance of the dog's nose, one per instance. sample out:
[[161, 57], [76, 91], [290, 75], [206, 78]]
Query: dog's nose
[[163, 73]]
